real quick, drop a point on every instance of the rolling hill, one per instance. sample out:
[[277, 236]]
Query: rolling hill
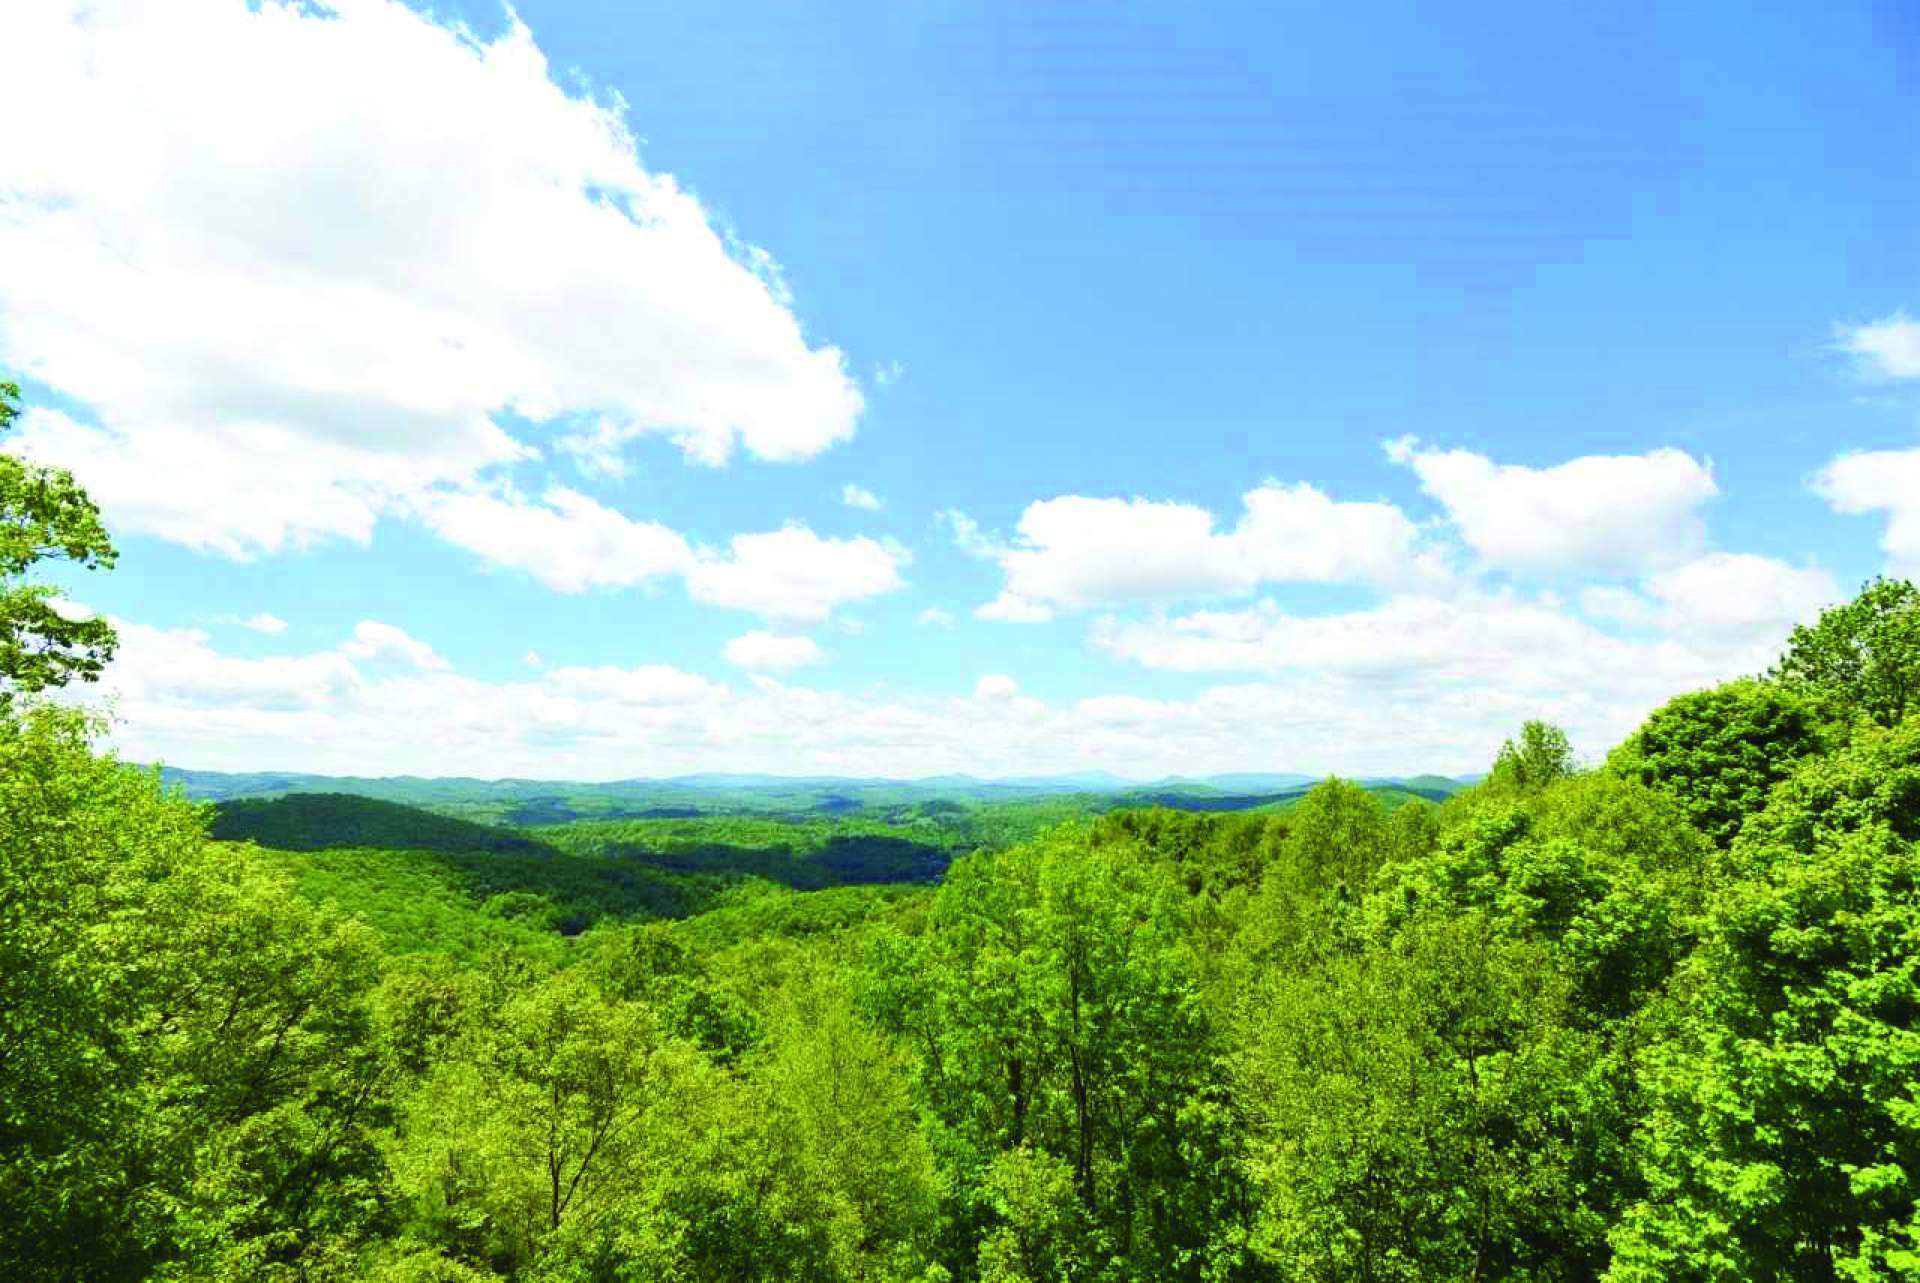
[[535, 803]]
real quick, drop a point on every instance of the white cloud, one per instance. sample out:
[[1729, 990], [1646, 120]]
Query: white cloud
[[764, 652], [1474, 655], [292, 310], [572, 543], [934, 617], [250, 491], [1011, 608], [180, 700], [1403, 637], [652, 685], [1618, 605], [375, 640], [968, 537], [1880, 481], [171, 676], [996, 686], [532, 659], [1733, 595], [855, 496], [1888, 348], [1296, 534], [794, 575], [1723, 597], [1718, 616], [1597, 513], [1074, 552], [271, 625], [565, 539]]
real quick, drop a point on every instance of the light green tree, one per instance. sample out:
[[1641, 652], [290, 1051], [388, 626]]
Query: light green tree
[[1720, 751], [1336, 835], [1863, 656], [1414, 1112], [525, 1130], [1784, 1140], [1060, 1013], [45, 516], [1541, 755], [1042, 1230], [186, 1071], [839, 1109]]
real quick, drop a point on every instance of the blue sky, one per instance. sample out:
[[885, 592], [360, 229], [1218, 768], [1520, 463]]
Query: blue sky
[[1235, 386]]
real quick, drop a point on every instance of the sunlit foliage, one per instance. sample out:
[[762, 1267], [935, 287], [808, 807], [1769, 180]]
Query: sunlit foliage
[[1657, 1019]]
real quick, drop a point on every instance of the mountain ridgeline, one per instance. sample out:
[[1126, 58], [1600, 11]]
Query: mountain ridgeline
[[902, 833], [1650, 1018], [542, 802]]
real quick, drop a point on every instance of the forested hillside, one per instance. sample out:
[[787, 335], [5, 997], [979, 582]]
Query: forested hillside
[[1647, 1019], [316, 821]]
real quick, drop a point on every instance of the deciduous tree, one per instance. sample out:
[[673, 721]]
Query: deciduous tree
[[45, 516], [1863, 656]]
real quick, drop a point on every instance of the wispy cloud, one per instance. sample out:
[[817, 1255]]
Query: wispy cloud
[[1888, 348], [858, 496], [271, 625]]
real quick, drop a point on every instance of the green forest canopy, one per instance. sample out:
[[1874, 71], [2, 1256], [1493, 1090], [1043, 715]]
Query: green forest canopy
[[1654, 1019], [1648, 1020]]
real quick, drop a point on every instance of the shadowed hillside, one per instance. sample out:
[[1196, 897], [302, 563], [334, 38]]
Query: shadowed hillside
[[320, 821]]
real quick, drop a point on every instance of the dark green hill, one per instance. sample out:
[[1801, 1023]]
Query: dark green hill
[[467, 903], [323, 821], [803, 854], [428, 881]]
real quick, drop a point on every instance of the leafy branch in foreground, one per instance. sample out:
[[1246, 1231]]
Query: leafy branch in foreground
[[46, 516]]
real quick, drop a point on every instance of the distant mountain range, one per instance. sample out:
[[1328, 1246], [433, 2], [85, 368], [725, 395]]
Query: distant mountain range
[[216, 785], [524, 802]]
